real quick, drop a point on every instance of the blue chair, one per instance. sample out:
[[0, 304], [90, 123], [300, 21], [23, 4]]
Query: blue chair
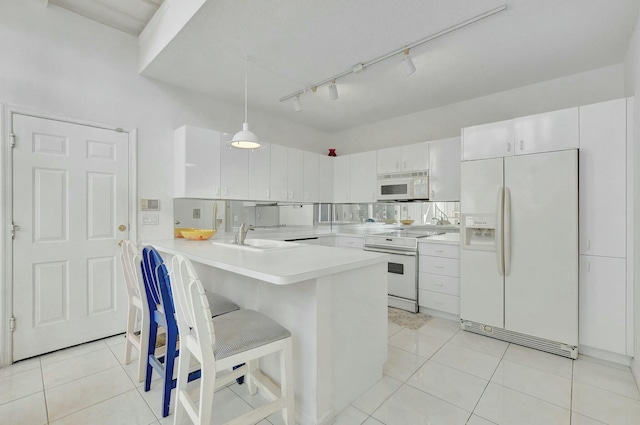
[[162, 313]]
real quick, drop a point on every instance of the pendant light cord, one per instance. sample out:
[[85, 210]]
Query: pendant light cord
[[246, 97]]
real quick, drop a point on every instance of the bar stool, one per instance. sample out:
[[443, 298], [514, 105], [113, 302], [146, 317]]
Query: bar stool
[[218, 343], [130, 258], [162, 314]]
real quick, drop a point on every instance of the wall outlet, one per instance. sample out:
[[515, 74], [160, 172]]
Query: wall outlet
[[196, 213], [151, 219]]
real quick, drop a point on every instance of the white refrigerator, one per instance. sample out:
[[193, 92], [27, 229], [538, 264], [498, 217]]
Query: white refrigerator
[[519, 249]]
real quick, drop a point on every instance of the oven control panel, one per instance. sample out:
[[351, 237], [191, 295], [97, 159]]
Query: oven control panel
[[390, 242]]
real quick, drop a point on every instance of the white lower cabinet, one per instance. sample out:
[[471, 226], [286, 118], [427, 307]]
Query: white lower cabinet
[[438, 277], [350, 242], [602, 309]]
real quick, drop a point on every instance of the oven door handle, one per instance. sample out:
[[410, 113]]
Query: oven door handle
[[391, 251]]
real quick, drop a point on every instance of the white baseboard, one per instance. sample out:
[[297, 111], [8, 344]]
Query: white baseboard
[[607, 356]]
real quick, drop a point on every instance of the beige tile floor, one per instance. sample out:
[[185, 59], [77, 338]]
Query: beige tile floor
[[435, 375]]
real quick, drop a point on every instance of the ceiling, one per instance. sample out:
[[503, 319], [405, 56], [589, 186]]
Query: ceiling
[[130, 16], [293, 44]]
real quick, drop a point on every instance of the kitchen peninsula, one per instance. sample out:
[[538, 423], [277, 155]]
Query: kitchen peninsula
[[333, 300]]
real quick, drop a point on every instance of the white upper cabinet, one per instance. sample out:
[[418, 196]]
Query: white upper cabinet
[[389, 160], [259, 173], [310, 179], [401, 159], [325, 179], [342, 179], [444, 170], [363, 177], [551, 131], [279, 175], [234, 171], [295, 184], [493, 140], [196, 163], [415, 157], [603, 177]]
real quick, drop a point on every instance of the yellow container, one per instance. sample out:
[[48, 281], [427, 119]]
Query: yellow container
[[198, 234]]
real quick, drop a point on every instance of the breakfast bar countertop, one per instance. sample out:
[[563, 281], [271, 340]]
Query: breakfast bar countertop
[[280, 266]]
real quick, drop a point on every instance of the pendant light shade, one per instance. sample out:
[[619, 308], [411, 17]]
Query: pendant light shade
[[245, 139], [407, 64]]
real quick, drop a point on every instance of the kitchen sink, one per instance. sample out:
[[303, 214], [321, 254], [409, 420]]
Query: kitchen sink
[[261, 244]]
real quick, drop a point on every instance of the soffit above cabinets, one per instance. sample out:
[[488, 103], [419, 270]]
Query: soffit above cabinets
[[130, 16]]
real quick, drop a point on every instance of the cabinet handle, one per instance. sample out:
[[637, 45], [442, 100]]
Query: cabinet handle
[[439, 267], [397, 165], [306, 195], [508, 147], [224, 191], [433, 193], [588, 243], [439, 284], [266, 192], [521, 144], [284, 194], [404, 165], [438, 250], [439, 302], [290, 195], [588, 266]]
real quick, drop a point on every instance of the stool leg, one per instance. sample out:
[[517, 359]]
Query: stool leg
[[250, 377], [169, 360], [131, 324], [151, 349], [181, 385], [144, 347], [286, 385]]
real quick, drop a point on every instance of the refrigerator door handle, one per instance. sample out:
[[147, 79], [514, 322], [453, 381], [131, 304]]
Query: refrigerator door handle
[[507, 232], [499, 223]]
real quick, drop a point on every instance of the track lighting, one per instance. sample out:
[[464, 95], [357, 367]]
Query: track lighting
[[297, 105], [333, 90], [407, 64]]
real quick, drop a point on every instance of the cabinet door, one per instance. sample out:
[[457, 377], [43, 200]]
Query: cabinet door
[[603, 303], [551, 131], [415, 157], [444, 170], [493, 140], [259, 173], [389, 160], [234, 172], [278, 173], [603, 144], [310, 177], [325, 179], [295, 183], [363, 177], [341, 179], [196, 163]]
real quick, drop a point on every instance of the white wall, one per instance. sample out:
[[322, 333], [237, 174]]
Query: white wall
[[578, 89], [632, 86], [58, 62]]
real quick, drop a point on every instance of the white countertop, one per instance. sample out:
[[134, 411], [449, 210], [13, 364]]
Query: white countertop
[[278, 266], [447, 238]]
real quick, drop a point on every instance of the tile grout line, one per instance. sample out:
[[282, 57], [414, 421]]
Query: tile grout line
[[95, 404], [489, 381], [44, 391]]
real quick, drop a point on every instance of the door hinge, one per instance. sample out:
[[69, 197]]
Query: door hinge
[[13, 140], [12, 324]]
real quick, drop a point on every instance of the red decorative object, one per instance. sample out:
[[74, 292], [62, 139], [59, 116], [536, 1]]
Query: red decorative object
[[332, 151]]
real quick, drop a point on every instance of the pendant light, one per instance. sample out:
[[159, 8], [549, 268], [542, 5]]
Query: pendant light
[[245, 139]]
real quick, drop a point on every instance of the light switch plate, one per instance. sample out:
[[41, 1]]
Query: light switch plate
[[151, 219]]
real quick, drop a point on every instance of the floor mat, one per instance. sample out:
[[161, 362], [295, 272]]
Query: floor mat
[[408, 320]]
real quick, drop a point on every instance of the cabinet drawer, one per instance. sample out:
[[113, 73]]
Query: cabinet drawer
[[439, 250], [439, 283], [350, 242], [440, 302], [439, 265]]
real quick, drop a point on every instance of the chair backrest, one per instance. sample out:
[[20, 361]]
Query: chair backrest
[[192, 304], [157, 286], [130, 257]]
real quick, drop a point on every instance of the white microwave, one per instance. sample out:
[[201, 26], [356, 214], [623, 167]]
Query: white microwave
[[414, 186]]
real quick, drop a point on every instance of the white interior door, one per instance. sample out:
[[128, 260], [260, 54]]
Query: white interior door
[[70, 199], [541, 287]]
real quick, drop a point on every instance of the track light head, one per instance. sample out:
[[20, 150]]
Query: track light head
[[407, 64], [297, 105], [333, 90]]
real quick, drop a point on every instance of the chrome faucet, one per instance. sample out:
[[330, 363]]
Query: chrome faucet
[[242, 233]]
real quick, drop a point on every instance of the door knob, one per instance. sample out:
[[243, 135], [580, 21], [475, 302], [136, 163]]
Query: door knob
[[120, 242], [122, 227]]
